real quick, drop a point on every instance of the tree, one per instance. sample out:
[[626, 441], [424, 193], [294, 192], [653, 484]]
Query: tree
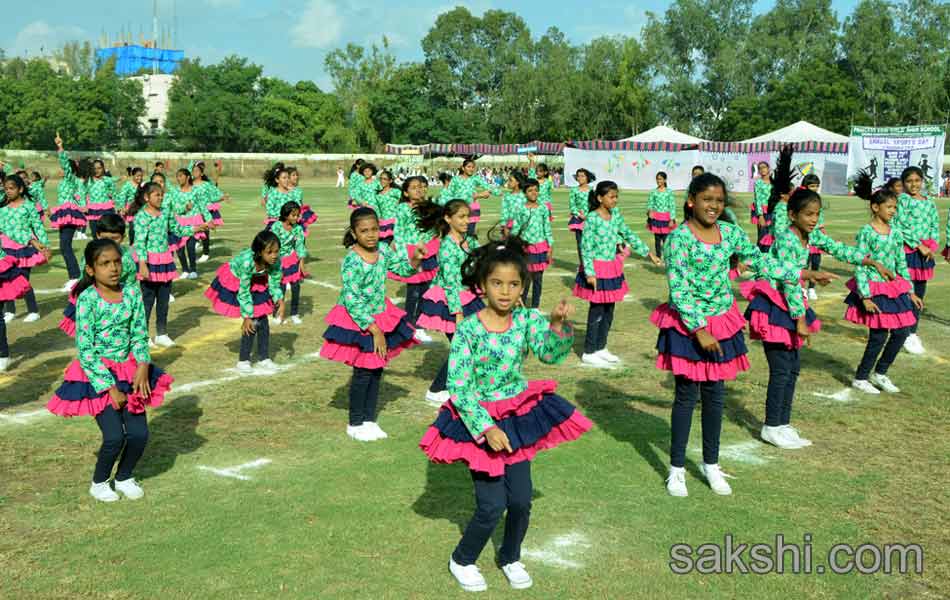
[[871, 47], [925, 46], [79, 58], [356, 73]]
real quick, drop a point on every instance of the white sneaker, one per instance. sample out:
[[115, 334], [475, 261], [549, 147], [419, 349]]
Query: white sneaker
[[151, 343], [359, 433], [68, 286], [244, 366], [102, 492], [777, 437], [296, 320], [676, 482], [608, 356], [373, 429], [863, 385], [193, 275], [31, 318], [469, 577], [81, 235], [8, 316], [913, 345], [4, 363], [129, 488], [204, 258], [164, 341], [793, 434], [716, 478], [422, 337], [276, 320], [812, 294], [267, 364], [437, 398], [171, 298], [595, 360], [883, 382], [517, 575], [184, 275]]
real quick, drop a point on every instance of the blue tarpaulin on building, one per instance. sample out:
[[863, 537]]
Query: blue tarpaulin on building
[[132, 59]]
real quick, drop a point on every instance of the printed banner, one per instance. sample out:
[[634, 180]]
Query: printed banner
[[886, 151], [633, 170]]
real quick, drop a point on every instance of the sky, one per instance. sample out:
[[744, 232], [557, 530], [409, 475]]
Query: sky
[[290, 38]]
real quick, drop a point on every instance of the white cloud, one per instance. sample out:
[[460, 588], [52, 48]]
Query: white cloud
[[319, 25], [40, 38]]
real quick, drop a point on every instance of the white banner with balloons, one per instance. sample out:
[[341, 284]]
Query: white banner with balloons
[[632, 170]]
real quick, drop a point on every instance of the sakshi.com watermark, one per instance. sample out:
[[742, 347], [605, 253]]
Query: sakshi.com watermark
[[782, 556]]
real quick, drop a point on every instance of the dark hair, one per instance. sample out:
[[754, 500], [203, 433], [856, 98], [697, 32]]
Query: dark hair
[[15, 179], [542, 167], [187, 173], [292, 170], [760, 163], [890, 183], [700, 184], [98, 161], [591, 178], [445, 177], [863, 188], [363, 212], [356, 165], [141, 194], [159, 163], [261, 242], [387, 173], [368, 165], [911, 170], [131, 171], [483, 260], [528, 182], [662, 174], [91, 254], [405, 187], [432, 216], [288, 208], [35, 176], [519, 177], [157, 174], [811, 179], [700, 167], [111, 223], [801, 198], [593, 196], [782, 178], [271, 175], [82, 168], [465, 161]]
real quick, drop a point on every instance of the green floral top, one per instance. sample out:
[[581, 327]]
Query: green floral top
[[406, 231], [888, 249], [578, 202], [385, 203], [38, 194], [126, 195], [207, 193], [533, 224], [601, 238], [101, 190], [187, 204], [662, 202], [698, 273], [243, 268], [917, 219], [276, 200], [296, 194], [21, 224], [760, 201], [364, 284], [353, 184], [151, 232], [510, 204], [71, 188], [486, 366], [464, 188], [545, 190], [449, 277], [109, 330], [292, 240], [948, 228]]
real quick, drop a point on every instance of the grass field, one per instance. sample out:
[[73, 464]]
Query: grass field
[[331, 518]]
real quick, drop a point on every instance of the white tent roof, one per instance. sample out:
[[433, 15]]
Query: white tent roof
[[662, 133], [803, 131]]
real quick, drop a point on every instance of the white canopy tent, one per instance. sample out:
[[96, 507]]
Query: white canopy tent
[[662, 133], [802, 131]]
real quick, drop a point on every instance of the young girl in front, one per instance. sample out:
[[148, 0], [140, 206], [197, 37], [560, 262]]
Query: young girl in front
[[293, 249], [919, 223], [277, 192], [531, 222], [112, 378], [69, 216], [407, 238], [249, 288], [447, 302], [889, 309], [366, 331], [661, 213], [700, 339], [761, 191], [600, 278], [779, 315], [579, 198], [152, 225], [23, 237], [495, 421]]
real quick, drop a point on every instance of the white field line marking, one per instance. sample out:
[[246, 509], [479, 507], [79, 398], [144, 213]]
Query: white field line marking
[[843, 395], [562, 551], [559, 273], [323, 284], [743, 452], [50, 291], [24, 418], [234, 374], [235, 472]]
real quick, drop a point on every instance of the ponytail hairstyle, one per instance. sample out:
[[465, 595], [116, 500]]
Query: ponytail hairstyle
[[593, 196], [15, 180], [863, 188], [187, 173], [131, 171], [111, 223], [288, 208], [700, 184], [271, 175], [355, 166], [663, 175], [445, 178], [782, 178], [432, 216], [142, 193], [91, 254], [263, 240], [361, 213], [496, 251], [591, 178], [465, 161]]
